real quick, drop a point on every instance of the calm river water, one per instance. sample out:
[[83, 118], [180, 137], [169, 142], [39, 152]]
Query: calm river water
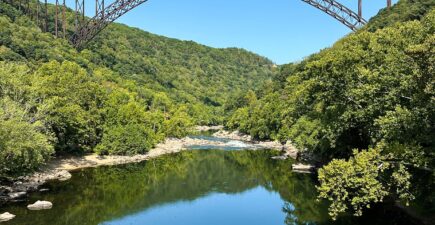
[[196, 187]]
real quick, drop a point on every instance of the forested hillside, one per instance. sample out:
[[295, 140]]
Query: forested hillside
[[124, 93], [405, 10], [187, 71], [367, 102]]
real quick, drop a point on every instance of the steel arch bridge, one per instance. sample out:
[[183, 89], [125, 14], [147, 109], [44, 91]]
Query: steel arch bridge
[[106, 15], [86, 29]]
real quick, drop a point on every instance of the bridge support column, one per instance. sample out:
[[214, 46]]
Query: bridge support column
[[64, 19], [28, 11], [56, 18], [99, 7], [360, 9], [388, 3], [37, 13], [45, 16], [80, 14]]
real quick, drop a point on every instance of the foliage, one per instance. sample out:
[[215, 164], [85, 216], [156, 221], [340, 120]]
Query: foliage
[[187, 72], [177, 125], [129, 139], [364, 179], [367, 88], [67, 101], [404, 10], [23, 147], [372, 89]]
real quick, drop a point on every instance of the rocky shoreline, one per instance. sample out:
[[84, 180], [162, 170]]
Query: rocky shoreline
[[59, 168], [288, 149]]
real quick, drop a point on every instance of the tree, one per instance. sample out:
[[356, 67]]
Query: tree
[[67, 101], [366, 178], [179, 124], [23, 147], [129, 139]]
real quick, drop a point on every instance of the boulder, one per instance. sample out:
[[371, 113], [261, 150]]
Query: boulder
[[63, 175], [39, 205], [303, 168], [281, 157], [291, 150], [269, 145], [17, 195], [236, 135], [6, 217]]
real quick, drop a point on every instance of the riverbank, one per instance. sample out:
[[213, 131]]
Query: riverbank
[[58, 168]]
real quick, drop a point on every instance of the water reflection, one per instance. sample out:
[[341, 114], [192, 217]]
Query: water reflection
[[215, 209], [193, 187]]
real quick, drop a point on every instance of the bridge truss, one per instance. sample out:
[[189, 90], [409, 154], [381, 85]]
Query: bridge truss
[[340, 12]]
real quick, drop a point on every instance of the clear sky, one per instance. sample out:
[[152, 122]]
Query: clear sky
[[282, 30]]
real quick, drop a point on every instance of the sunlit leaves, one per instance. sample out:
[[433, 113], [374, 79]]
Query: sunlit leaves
[[364, 179]]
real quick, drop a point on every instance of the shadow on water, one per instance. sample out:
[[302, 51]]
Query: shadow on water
[[204, 186]]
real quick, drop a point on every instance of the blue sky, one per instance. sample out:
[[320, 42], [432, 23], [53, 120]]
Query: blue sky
[[282, 30]]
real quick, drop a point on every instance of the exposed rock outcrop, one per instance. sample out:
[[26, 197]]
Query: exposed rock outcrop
[[17, 191], [288, 148], [235, 135]]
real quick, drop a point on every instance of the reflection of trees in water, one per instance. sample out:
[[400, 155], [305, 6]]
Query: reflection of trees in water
[[297, 190], [101, 194], [424, 190], [291, 216]]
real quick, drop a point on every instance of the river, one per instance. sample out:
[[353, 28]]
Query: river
[[202, 186]]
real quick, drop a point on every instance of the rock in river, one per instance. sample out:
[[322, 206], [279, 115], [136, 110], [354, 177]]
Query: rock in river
[[281, 157], [303, 168], [17, 195], [6, 217], [39, 205]]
